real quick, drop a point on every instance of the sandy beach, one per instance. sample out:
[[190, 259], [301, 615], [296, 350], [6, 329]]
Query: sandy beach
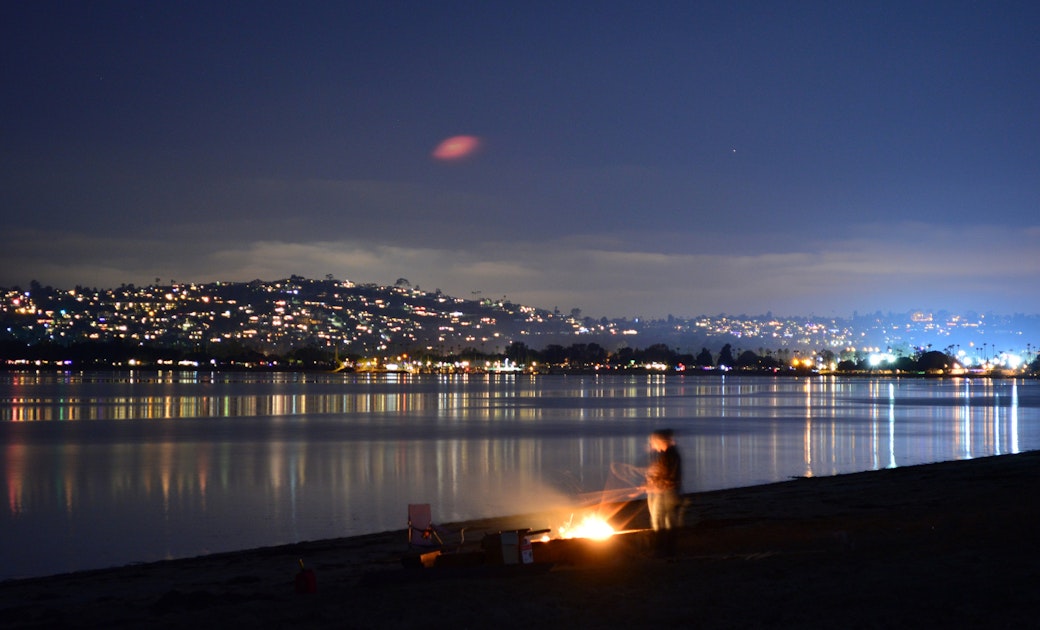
[[951, 544]]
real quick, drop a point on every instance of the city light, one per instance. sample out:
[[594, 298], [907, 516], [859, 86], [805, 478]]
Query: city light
[[876, 359], [341, 318]]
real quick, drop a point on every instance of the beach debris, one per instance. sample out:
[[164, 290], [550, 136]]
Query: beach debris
[[306, 580]]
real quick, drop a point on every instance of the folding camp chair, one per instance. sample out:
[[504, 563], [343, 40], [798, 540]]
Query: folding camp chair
[[422, 532]]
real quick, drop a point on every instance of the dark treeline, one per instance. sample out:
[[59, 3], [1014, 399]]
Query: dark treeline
[[592, 356], [578, 357], [115, 353]]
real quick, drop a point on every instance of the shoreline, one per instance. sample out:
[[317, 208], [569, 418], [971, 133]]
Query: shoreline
[[949, 543], [1003, 374]]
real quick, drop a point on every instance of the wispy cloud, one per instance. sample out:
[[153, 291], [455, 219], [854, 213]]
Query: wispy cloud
[[928, 268]]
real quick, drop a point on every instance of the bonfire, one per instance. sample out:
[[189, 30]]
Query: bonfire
[[592, 526]]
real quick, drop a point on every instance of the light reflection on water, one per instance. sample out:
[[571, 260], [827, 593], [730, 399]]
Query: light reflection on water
[[110, 469]]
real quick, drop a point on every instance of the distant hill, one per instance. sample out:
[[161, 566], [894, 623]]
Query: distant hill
[[298, 314]]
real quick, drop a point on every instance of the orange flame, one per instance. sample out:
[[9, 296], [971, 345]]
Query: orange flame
[[592, 526]]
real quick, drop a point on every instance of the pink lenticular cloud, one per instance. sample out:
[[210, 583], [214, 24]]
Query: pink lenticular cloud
[[456, 147]]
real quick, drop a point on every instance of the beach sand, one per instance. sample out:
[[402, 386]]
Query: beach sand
[[952, 544]]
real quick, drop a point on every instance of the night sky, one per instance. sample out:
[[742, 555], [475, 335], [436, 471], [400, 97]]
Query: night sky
[[630, 159]]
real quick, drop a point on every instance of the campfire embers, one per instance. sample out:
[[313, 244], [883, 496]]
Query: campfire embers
[[592, 526], [584, 550], [521, 547], [589, 538], [592, 539], [526, 548]]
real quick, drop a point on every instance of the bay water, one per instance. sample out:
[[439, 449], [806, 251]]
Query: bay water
[[115, 468]]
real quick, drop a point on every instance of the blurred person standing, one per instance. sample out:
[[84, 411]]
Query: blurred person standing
[[664, 490]]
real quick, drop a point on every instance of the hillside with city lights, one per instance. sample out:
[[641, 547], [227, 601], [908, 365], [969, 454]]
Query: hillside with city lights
[[331, 324]]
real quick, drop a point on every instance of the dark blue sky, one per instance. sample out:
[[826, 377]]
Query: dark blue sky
[[636, 159]]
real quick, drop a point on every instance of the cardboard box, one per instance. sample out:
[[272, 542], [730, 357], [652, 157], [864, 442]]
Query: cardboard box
[[503, 547]]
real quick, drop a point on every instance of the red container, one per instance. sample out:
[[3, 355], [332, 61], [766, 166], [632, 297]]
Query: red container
[[306, 581]]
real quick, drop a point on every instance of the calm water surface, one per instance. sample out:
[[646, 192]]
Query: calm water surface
[[109, 469]]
